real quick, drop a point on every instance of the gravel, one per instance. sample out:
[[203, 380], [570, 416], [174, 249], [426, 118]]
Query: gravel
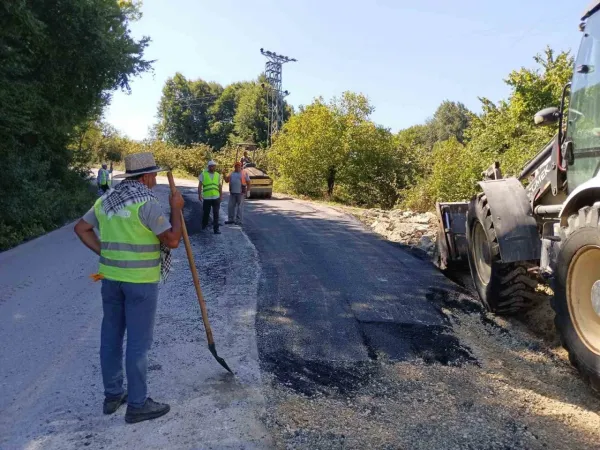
[[519, 394], [50, 314]]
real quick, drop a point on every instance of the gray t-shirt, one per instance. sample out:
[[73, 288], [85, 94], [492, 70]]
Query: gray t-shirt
[[235, 182], [151, 216]]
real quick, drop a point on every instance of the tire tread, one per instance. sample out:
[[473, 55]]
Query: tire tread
[[517, 286]]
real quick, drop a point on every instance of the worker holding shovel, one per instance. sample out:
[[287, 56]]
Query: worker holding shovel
[[134, 249]]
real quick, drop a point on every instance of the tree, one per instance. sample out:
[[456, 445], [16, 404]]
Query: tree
[[309, 148], [251, 120], [184, 110], [374, 170], [414, 145], [197, 112], [334, 148], [451, 119], [504, 132], [61, 61], [223, 113]]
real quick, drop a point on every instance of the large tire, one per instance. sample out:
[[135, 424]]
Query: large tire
[[504, 288], [577, 269]]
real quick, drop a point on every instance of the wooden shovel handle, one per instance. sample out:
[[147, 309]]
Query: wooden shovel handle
[[192, 263]]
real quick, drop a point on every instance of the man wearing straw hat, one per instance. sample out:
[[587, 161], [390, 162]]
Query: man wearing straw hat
[[134, 249]]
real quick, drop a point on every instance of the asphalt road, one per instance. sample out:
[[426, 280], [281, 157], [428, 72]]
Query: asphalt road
[[330, 291], [338, 339]]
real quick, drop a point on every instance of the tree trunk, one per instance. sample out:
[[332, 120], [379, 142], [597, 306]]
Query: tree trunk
[[330, 181]]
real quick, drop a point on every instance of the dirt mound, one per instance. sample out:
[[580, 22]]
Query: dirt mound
[[406, 227]]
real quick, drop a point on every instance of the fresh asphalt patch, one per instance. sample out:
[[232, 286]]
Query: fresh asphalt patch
[[335, 302]]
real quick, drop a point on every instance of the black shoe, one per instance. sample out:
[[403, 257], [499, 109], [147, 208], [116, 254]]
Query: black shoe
[[229, 222], [217, 232], [111, 404], [150, 410]]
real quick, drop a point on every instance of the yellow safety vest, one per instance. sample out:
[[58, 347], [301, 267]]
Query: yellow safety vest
[[210, 187], [130, 252], [104, 177]]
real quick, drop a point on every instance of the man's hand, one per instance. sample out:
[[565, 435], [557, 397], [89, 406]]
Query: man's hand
[[200, 197], [176, 201]]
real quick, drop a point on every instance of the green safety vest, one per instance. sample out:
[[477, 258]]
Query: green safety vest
[[103, 177], [130, 252], [210, 188]]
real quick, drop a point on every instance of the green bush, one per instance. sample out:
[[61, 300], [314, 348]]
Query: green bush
[[33, 204], [454, 175]]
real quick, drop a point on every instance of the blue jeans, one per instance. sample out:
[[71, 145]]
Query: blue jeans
[[130, 306]]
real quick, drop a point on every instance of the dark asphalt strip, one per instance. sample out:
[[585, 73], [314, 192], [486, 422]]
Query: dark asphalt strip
[[333, 298]]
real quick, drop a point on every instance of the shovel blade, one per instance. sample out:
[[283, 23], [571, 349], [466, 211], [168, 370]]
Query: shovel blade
[[220, 360]]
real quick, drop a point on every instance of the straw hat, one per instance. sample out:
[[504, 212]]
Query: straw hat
[[139, 164]]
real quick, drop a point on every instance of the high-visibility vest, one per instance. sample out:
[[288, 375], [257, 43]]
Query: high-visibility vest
[[210, 187], [129, 251], [103, 177], [243, 177]]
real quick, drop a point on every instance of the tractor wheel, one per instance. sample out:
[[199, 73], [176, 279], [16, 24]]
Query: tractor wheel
[[577, 293], [504, 288], [268, 195]]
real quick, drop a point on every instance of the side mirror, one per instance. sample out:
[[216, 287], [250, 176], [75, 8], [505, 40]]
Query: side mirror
[[547, 116]]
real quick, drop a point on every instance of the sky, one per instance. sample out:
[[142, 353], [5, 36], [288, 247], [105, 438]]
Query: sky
[[405, 56]]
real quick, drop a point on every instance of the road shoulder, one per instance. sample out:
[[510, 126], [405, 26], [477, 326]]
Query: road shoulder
[[209, 407]]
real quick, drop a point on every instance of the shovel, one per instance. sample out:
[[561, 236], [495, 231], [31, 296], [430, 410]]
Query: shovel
[[190, 255]]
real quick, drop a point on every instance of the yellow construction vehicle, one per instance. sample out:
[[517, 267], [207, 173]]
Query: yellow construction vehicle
[[261, 184]]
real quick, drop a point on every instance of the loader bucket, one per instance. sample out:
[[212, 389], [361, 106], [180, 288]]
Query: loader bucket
[[452, 234]]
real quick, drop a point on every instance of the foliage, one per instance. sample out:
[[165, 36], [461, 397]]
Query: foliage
[[450, 120], [454, 175], [507, 130], [184, 110], [374, 170], [308, 148], [504, 132], [334, 149], [61, 60], [251, 120], [197, 112]]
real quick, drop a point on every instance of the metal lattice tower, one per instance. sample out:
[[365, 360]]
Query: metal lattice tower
[[275, 92]]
